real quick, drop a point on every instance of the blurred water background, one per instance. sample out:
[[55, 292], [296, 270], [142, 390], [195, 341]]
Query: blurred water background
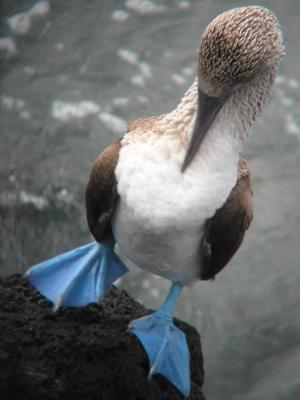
[[72, 74]]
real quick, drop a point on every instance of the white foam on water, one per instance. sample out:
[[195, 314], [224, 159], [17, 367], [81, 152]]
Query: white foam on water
[[179, 79], [146, 284], [8, 46], [199, 313], [65, 111], [145, 69], [143, 99], [65, 196], [188, 71], [113, 122], [293, 83], [287, 101], [21, 23], [120, 102], [138, 80], [25, 114], [145, 7], [184, 5], [39, 202], [29, 70], [12, 178], [292, 125], [9, 199], [11, 103], [128, 55], [120, 15], [154, 293], [167, 54], [284, 94], [59, 46], [40, 8], [280, 79]]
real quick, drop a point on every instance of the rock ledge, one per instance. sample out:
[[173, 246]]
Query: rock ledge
[[79, 353]]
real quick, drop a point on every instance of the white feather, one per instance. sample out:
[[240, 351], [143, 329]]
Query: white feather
[[159, 219]]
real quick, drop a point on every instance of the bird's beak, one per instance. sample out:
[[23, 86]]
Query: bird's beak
[[208, 108]]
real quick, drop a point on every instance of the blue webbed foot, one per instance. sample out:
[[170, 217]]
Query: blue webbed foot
[[166, 347], [78, 277]]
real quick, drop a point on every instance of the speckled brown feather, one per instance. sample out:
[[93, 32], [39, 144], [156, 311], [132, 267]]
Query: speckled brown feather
[[101, 192], [147, 123], [236, 45], [225, 231]]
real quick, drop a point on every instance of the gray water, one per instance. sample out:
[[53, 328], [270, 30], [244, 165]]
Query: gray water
[[72, 73]]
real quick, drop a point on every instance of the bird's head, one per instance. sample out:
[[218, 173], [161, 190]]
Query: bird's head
[[235, 47]]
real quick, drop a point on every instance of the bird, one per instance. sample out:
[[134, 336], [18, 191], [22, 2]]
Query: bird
[[173, 195]]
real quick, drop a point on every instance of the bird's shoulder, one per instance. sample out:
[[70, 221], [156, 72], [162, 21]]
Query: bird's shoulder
[[145, 123], [105, 163], [145, 127]]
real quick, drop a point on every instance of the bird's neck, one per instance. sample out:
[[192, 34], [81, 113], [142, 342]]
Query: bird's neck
[[234, 122], [239, 114], [181, 119]]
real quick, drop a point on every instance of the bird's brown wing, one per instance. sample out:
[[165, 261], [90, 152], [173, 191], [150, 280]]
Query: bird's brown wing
[[226, 229], [101, 192]]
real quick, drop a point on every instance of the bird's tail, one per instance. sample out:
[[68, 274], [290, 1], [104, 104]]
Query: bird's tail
[[78, 277]]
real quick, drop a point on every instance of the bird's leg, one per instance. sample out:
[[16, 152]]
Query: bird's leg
[[166, 310], [164, 343]]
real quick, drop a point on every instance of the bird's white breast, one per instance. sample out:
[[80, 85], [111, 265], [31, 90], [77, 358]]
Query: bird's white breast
[[159, 219]]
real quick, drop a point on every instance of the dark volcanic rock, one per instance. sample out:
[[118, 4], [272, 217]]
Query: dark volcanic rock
[[78, 353]]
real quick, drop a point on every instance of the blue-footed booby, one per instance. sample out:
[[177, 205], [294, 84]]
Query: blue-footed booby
[[173, 194]]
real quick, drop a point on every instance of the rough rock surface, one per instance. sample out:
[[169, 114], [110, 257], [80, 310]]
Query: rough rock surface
[[79, 353]]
